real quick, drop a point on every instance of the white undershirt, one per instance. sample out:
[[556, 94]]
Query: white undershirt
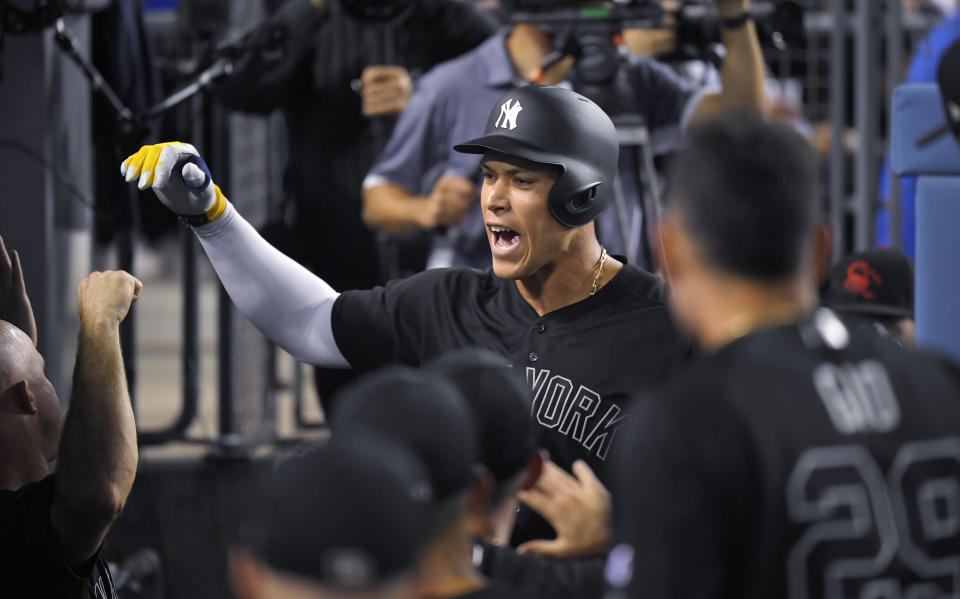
[[288, 303]]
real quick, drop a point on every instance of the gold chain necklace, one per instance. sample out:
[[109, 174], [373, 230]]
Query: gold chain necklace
[[596, 277]]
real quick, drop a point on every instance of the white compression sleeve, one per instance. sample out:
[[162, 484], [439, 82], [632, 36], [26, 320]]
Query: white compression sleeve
[[288, 303]]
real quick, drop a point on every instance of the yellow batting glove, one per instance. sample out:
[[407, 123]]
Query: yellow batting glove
[[180, 178]]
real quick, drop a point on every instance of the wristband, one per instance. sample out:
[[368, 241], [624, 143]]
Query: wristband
[[736, 21], [211, 214]]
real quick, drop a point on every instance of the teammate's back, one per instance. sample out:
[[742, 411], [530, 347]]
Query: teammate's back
[[798, 456], [821, 461]]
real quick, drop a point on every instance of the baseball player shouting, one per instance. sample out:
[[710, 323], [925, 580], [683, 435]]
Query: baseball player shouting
[[587, 329]]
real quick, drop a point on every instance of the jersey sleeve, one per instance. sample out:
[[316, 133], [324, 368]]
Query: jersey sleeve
[[671, 509], [384, 325], [30, 550]]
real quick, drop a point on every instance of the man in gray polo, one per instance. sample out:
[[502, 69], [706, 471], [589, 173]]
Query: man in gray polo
[[420, 183]]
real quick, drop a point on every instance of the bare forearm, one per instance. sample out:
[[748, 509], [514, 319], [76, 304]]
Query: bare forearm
[[743, 76], [743, 70], [392, 209], [98, 449]]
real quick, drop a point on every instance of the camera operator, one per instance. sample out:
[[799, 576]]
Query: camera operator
[[308, 60], [418, 183]]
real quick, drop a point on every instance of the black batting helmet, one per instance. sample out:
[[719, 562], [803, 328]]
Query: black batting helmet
[[559, 127]]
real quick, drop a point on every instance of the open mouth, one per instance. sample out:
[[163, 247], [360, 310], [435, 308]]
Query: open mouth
[[504, 237]]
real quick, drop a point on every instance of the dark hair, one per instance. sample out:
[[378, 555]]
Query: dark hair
[[746, 190]]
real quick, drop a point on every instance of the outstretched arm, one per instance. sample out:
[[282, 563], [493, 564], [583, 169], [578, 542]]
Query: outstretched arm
[[98, 449], [288, 303]]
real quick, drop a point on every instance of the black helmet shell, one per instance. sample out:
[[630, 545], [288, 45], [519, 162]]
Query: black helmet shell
[[557, 126]]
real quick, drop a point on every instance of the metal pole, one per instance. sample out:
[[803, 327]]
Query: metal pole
[[894, 76], [214, 143], [191, 322], [190, 358], [128, 328], [838, 125], [225, 370], [866, 116]]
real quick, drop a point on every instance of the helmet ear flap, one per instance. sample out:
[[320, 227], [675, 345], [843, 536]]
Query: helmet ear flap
[[583, 201], [576, 207]]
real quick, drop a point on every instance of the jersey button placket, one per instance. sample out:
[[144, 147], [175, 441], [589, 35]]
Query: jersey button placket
[[534, 356], [541, 328]]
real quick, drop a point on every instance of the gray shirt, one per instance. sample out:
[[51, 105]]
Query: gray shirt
[[450, 105]]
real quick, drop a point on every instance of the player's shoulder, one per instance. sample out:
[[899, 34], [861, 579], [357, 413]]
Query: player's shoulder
[[636, 299], [867, 343], [925, 367], [640, 288], [947, 365], [825, 338]]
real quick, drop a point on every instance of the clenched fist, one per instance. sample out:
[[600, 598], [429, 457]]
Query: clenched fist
[[179, 177], [386, 90], [106, 297]]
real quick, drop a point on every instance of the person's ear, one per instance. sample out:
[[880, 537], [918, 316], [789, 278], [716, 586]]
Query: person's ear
[[534, 469], [246, 574], [666, 248], [20, 398], [822, 252], [478, 502]]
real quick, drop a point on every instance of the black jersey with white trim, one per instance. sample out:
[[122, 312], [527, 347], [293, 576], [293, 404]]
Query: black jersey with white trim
[[811, 460], [583, 362]]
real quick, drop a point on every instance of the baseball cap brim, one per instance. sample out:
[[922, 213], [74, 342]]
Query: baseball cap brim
[[873, 309]]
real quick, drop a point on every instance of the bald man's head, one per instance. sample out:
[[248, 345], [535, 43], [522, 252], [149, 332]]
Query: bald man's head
[[28, 402], [16, 349]]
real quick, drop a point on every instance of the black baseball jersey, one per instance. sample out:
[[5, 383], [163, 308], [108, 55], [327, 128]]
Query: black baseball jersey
[[811, 460], [30, 561], [582, 361]]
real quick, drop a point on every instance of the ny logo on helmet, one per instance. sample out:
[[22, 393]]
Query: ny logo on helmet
[[508, 115]]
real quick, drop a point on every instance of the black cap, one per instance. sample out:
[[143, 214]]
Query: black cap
[[875, 282], [420, 410], [500, 400], [350, 514]]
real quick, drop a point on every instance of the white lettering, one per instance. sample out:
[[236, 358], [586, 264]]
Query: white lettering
[[508, 114], [858, 397]]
